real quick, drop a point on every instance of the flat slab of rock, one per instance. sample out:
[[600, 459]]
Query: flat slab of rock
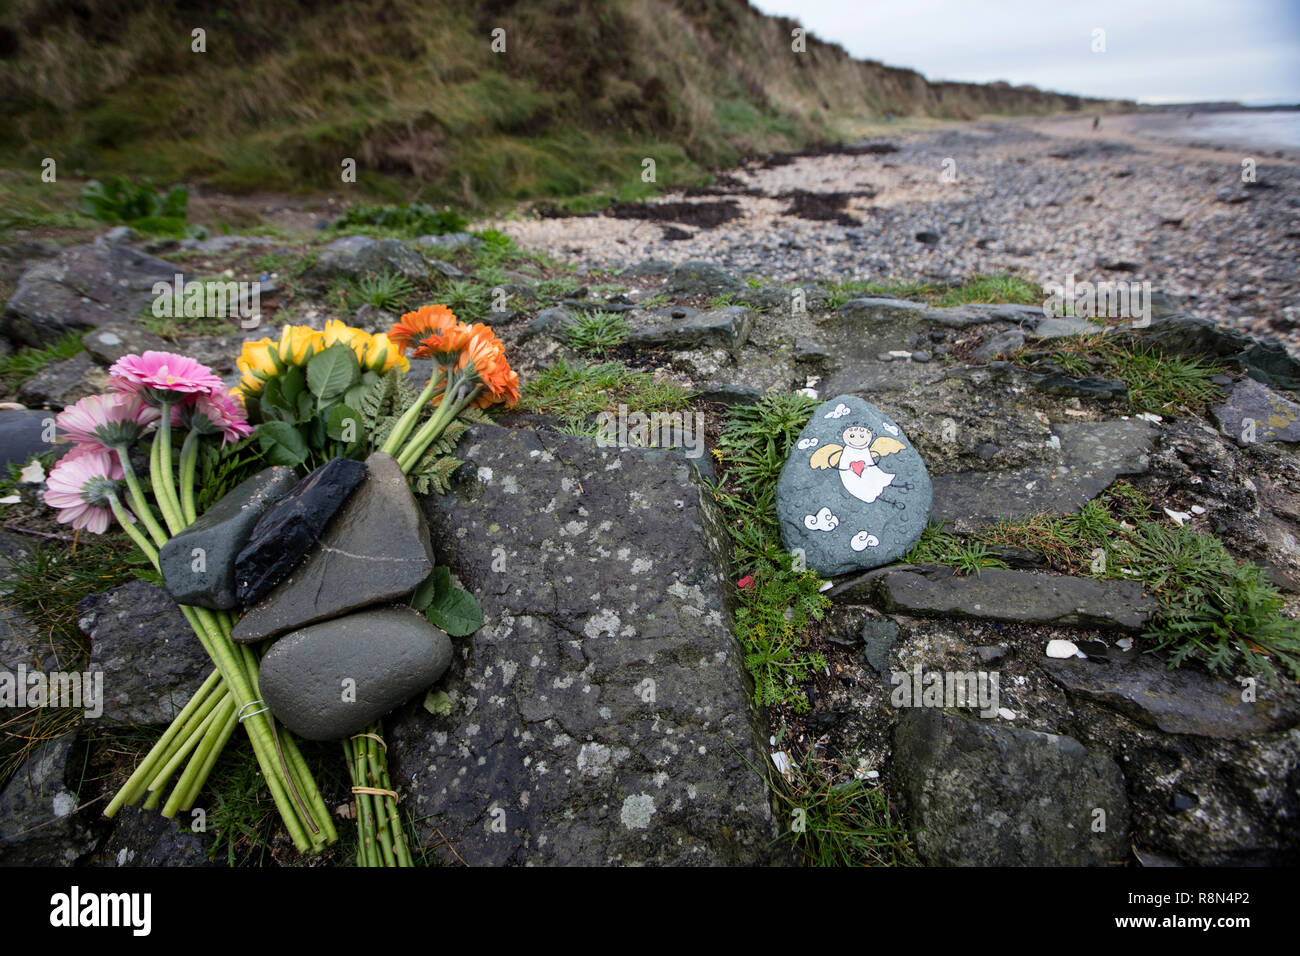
[[108, 343], [1022, 596], [1091, 456], [723, 328], [151, 660], [86, 286], [63, 382], [854, 493], [982, 795], [292, 525], [359, 256], [198, 565], [602, 715], [333, 679], [703, 278], [376, 549], [1252, 412], [1182, 701]]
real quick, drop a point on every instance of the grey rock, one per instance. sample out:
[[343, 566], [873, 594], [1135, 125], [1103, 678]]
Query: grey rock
[[550, 322], [391, 654], [108, 343], [1092, 455], [451, 241], [726, 328], [1182, 701], [283, 536], [1051, 327], [1000, 594], [371, 319], [604, 707], [879, 634], [1252, 412], [992, 653], [143, 838], [1266, 360], [119, 235], [64, 382], [16, 257], [22, 643], [376, 549], [1090, 386], [219, 535], [703, 278], [38, 822], [867, 312], [982, 795], [1000, 344], [84, 287], [151, 659], [23, 433], [355, 257], [852, 514], [445, 269], [731, 395]]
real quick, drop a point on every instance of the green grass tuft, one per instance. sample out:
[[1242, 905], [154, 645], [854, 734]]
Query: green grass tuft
[[597, 331], [26, 362]]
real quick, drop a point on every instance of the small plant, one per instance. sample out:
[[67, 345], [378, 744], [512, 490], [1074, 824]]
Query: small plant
[[118, 200], [576, 391], [469, 299], [838, 822], [938, 546], [413, 219], [386, 290], [1213, 610], [26, 362], [597, 331]]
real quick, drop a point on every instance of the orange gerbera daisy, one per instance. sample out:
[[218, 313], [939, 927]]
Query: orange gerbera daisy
[[426, 321], [484, 358]]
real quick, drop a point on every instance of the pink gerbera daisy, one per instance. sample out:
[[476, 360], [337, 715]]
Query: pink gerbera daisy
[[217, 414], [81, 486], [106, 421], [163, 377]]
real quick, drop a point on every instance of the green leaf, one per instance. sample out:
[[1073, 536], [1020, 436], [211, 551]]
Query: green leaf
[[332, 372], [436, 584], [282, 444], [456, 612], [437, 703], [341, 418], [291, 384]]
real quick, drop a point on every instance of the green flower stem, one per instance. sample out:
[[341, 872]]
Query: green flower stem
[[189, 463], [259, 728], [171, 518], [307, 785], [164, 481], [429, 433], [391, 829], [411, 416], [138, 500], [205, 716], [224, 720], [366, 852], [144, 772]]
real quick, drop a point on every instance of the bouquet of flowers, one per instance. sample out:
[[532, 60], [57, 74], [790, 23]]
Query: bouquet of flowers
[[307, 398]]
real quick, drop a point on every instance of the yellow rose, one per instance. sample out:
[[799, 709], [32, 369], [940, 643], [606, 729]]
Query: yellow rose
[[382, 354], [257, 356], [298, 343]]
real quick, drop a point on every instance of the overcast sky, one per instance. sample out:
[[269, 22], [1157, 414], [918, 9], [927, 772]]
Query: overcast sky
[[1157, 51]]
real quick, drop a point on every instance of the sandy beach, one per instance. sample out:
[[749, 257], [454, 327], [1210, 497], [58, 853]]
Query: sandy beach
[[1139, 199]]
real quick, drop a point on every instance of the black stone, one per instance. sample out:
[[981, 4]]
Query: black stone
[[287, 532], [220, 534]]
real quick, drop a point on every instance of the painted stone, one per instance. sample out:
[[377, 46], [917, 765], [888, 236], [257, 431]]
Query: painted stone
[[854, 493]]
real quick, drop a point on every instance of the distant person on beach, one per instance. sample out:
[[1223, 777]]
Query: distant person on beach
[[1096, 122]]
